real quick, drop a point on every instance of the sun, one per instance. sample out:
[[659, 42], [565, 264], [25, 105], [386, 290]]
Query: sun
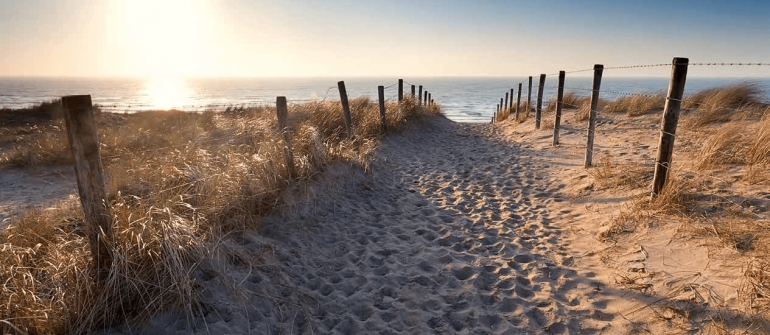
[[165, 36]]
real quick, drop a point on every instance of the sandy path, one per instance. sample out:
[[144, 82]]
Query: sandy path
[[451, 233], [35, 187]]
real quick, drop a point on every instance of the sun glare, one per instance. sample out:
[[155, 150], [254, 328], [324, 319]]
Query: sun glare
[[168, 92]]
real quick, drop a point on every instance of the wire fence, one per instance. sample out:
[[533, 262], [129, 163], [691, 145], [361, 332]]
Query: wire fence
[[254, 102], [636, 144]]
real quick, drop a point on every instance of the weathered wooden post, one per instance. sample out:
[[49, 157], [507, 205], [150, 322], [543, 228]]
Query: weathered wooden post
[[412, 91], [419, 96], [383, 120], [518, 102], [539, 111], [282, 110], [598, 69], [506, 103], [345, 107], [84, 146], [529, 96], [430, 99], [559, 105], [502, 108], [510, 104], [670, 120], [425, 98], [400, 90]]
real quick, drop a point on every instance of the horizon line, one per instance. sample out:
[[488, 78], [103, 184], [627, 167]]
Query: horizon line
[[358, 77]]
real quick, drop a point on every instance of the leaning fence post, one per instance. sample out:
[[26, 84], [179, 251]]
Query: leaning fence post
[[529, 96], [539, 111], [430, 99], [282, 110], [419, 96], [510, 104], [559, 104], [383, 120], [345, 106], [598, 69], [412, 91], [670, 120], [84, 146], [518, 102]]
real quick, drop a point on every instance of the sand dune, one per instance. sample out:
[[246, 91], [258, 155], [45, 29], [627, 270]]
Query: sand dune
[[458, 228], [453, 231]]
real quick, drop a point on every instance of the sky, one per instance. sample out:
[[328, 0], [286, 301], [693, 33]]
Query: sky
[[336, 38]]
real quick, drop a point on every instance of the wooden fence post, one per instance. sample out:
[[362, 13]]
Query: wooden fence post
[[282, 110], [430, 99], [345, 107], [506, 101], [502, 108], [412, 91], [598, 69], [518, 102], [84, 146], [419, 97], [529, 96], [670, 120], [425, 98], [510, 104], [559, 105], [383, 120], [400, 90], [539, 111]]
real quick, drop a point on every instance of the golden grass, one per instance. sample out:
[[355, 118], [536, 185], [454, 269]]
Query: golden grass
[[724, 146], [582, 104], [546, 123], [759, 152], [724, 103], [177, 182], [743, 143], [523, 112], [610, 175], [635, 105]]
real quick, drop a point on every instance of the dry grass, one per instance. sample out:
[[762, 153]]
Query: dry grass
[[583, 113], [609, 175], [177, 182], [635, 105], [546, 123], [737, 144], [724, 146], [720, 104], [570, 99], [523, 112], [755, 288], [759, 152]]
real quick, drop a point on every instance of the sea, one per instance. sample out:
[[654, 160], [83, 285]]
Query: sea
[[463, 99]]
